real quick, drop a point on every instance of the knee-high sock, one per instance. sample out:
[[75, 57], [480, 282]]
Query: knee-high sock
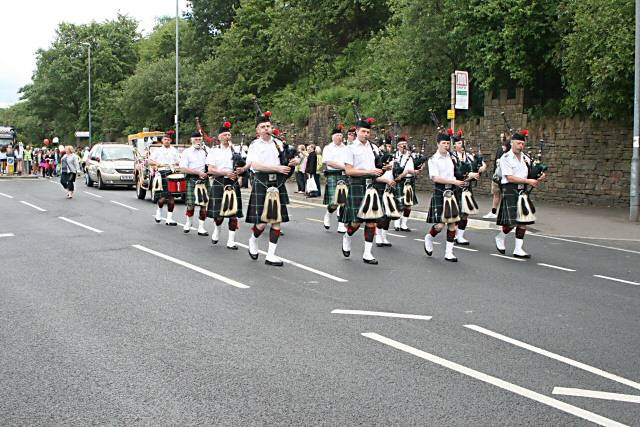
[[161, 202], [274, 235], [506, 229], [451, 235], [171, 204], [434, 231], [406, 212], [190, 212], [203, 213], [384, 224], [462, 224], [218, 221], [351, 229], [233, 224], [369, 233], [256, 231], [520, 232], [332, 208]]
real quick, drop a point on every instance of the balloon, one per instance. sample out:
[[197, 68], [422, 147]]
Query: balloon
[[56, 140], [46, 141]]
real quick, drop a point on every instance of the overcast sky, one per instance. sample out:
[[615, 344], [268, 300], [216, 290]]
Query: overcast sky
[[28, 25]]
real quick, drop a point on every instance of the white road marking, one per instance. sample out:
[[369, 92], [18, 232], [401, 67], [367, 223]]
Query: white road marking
[[507, 257], [595, 238], [542, 264], [395, 235], [79, 224], [93, 194], [315, 220], [38, 208], [462, 248], [575, 364], [422, 240], [7, 235], [302, 266], [6, 195], [584, 243], [123, 205], [381, 314], [524, 392], [287, 261], [628, 282], [200, 270], [578, 392]]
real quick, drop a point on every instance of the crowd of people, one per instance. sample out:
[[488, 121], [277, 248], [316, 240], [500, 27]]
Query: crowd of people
[[21, 160]]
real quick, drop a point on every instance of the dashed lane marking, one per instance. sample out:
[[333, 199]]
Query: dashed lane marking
[[594, 394], [584, 243], [38, 208], [505, 385], [542, 352], [381, 314], [6, 195], [628, 282], [7, 235], [555, 267], [462, 248], [79, 224], [507, 257], [200, 270], [93, 194], [123, 205]]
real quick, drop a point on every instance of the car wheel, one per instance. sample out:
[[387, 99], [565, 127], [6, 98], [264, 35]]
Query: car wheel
[[87, 179], [101, 184], [141, 193]]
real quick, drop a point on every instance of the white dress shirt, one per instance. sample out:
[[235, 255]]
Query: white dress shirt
[[335, 153], [361, 156], [193, 159], [441, 165], [265, 152], [220, 158], [510, 165], [165, 156], [405, 160]]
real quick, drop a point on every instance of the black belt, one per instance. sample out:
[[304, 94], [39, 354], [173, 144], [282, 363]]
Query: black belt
[[333, 172]]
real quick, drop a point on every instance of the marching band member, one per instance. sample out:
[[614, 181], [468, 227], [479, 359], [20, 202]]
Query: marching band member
[[334, 156], [351, 135], [407, 177], [463, 169], [515, 182], [226, 201], [165, 159], [268, 201], [505, 146], [193, 165], [384, 183], [443, 210], [361, 169]]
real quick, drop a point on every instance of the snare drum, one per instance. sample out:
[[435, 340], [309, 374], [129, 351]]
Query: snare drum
[[176, 183]]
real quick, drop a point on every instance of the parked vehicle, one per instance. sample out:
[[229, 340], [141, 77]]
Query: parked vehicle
[[110, 164]]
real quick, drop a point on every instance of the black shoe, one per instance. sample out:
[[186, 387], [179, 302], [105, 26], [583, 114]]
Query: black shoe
[[274, 263], [346, 254], [502, 251], [527, 256], [379, 245], [370, 261], [232, 248], [203, 234], [462, 244], [387, 245], [186, 231], [214, 242], [156, 220], [451, 259], [326, 228], [171, 224], [397, 228], [405, 230], [253, 257]]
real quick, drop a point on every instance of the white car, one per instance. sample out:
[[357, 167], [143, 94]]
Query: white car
[[110, 164]]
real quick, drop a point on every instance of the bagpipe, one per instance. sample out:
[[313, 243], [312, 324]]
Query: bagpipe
[[537, 166], [381, 157]]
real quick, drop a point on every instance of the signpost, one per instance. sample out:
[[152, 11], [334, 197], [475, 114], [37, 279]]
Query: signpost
[[459, 95], [82, 134]]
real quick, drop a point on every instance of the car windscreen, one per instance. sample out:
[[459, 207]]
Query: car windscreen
[[117, 153]]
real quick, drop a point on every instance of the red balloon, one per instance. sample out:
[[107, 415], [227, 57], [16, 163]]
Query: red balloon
[[46, 141]]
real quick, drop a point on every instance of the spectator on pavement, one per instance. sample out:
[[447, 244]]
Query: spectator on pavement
[[19, 153], [311, 170], [28, 159], [3, 160], [69, 166], [11, 160], [302, 155]]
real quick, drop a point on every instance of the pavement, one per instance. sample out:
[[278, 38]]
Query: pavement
[[109, 318]]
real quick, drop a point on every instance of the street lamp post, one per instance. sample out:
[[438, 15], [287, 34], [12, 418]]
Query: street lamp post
[[634, 188], [177, 66], [89, 84]]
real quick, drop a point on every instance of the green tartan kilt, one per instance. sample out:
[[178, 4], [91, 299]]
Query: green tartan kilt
[[259, 185], [192, 180], [437, 202], [508, 211], [330, 186], [357, 189], [164, 192], [215, 196]]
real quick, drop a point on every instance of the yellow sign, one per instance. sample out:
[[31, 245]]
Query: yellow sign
[[451, 114]]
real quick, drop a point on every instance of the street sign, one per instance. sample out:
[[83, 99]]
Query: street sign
[[82, 134], [462, 90], [451, 114]]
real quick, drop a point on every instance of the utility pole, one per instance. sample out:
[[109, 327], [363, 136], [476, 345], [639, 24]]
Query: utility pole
[[177, 68], [634, 188]]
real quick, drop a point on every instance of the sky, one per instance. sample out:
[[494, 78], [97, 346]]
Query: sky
[[28, 25]]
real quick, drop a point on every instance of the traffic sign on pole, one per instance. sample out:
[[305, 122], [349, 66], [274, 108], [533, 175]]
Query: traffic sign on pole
[[462, 90]]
